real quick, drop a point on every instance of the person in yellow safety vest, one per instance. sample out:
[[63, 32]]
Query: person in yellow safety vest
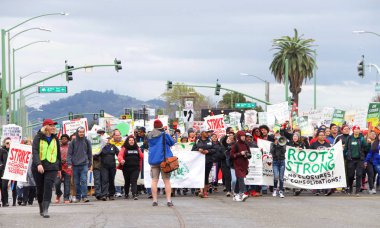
[[46, 164]]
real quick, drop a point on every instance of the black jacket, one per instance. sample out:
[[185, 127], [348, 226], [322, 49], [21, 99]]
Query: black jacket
[[108, 156], [3, 159], [219, 152], [277, 152], [205, 145], [57, 165]]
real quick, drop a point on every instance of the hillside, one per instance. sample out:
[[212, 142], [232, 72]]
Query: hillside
[[90, 101]]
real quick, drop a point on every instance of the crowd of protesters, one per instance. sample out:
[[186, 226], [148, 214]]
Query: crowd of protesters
[[73, 157]]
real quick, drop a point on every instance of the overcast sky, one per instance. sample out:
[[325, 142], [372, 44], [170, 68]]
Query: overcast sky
[[196, 42]]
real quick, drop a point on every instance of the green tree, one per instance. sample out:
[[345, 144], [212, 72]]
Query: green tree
[[230, 98], [175, 98], [300, 59]]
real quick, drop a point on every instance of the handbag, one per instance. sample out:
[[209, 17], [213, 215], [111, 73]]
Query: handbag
[[169, 164]]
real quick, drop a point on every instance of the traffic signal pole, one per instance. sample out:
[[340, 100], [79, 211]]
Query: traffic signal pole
[[63, 72], [230, 90]]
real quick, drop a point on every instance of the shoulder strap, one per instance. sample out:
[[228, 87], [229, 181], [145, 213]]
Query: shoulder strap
[[164, 145], [236, 147]]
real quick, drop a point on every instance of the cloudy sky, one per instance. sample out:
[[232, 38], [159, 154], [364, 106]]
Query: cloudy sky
[[196, 42]]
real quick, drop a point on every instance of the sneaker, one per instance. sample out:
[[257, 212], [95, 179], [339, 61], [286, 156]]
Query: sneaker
[[357, 195], [274, 193], [74, 200], [373, 191], [58, 199], [103, 198], [170, 204], [111, 198], [135, 198], [154, 204], [281, 194], [118, 194], [200, 194], [66, 202], [85, 200], [237, 198], [297, 192], [228, 194], [328, 193], [244, 197]]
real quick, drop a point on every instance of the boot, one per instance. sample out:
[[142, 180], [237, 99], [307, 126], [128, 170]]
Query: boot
[[41, 209], [45, 209]]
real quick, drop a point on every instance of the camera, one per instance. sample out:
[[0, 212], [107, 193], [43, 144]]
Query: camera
[[248, 155]]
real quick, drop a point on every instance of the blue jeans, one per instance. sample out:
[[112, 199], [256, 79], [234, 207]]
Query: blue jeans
[[80, 180], [377, 169], [233, 180], [278, 173]]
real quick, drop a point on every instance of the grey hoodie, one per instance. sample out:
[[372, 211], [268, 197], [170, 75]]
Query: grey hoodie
[[80, 151]]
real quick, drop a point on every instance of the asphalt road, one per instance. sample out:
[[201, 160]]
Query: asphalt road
[[306, 210]]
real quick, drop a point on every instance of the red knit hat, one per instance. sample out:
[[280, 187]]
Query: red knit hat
[[157, 124], [355, 127]]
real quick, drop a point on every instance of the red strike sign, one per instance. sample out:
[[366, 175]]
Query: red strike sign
[[214, 124]]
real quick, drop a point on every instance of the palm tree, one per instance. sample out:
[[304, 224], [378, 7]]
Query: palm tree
[[300, 61]]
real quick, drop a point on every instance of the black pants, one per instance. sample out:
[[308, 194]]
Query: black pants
[[131, 174], [226, 172], [44, 183], [355, 166], [108, 181], [369, 171], [208, 168], [28, 194], [4, 191]]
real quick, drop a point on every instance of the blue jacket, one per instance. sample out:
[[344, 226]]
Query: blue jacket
[[156, 148], [374, 156]]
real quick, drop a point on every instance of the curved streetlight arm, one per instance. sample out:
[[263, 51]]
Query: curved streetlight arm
[[32, 18], [361, 32], [42, 29], [251, 75], [35, 72], [35, 42]]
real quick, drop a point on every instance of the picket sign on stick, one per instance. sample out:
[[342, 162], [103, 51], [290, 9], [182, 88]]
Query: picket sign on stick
[[18, 162]]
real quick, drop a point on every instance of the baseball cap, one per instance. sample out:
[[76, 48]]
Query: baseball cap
[[48, 122]]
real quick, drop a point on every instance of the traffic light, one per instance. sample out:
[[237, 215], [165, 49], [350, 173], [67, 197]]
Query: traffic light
[[69, 74], [71, 115], [169, 85], [361, 68], [117, 65], [217, 89], [101, 114]]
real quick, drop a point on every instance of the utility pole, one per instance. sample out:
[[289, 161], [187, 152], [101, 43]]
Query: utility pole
[[144, 108]]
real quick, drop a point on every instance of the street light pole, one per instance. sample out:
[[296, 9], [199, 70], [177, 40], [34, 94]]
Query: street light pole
[[287, 80], [3, 73], [266, 85], [11, 116]]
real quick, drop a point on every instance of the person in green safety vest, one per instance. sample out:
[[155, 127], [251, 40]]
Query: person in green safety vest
[[46, 163]]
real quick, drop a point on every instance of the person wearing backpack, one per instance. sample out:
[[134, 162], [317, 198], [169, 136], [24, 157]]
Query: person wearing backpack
[[130, 158], [79, 158]]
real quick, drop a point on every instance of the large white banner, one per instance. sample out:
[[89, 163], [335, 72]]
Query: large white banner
[[19, 157], [307, 169], [315, 169], [255, 174], [191, 171]]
